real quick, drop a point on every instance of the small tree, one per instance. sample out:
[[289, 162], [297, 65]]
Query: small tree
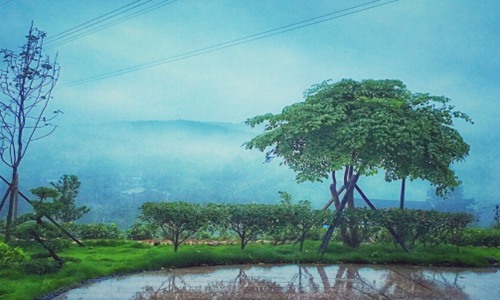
[[249, 220], [32, 226], [304, 218], [27, 80], [280, 229], [177, 221], [68, 187]]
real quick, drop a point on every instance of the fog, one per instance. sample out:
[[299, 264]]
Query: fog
[[123, 164], [108, 139]]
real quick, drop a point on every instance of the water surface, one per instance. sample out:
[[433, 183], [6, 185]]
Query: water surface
[[298, 282]]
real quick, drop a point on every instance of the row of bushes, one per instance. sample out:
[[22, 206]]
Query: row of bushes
[[412, 227], [178, 221]]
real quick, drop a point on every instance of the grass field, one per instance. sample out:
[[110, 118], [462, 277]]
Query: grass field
[[106, 258]]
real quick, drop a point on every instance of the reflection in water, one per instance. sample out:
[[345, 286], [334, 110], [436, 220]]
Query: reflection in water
[[297, 282], [310, 282]]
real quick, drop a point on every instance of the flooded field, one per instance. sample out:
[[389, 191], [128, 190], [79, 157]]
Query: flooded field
[[298, 282]]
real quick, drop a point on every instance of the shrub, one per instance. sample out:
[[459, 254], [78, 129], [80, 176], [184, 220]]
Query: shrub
[[2, 227], [41, 266], [141, 231], [367, 223], [411, 226], [11, 256], [481, 237], [98, 231]]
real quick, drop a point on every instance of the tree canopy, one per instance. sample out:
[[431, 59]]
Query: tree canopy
[[178, 221], [68, 186], [367, 126]]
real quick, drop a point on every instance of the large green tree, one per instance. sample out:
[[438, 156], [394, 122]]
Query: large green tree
[[362, 127]]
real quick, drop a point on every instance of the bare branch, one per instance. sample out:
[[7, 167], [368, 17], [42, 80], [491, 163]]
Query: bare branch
[[28, 81]]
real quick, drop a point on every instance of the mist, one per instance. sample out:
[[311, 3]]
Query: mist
[[124, 164], [109, 138]]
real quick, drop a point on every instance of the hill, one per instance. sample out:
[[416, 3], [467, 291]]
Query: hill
[[123, 164]]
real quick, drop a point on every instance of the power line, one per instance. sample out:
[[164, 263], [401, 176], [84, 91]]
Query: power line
[[91, 28], [5, 3], [78, 27], [239, 41]]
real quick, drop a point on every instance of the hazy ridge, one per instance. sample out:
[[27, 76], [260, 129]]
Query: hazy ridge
[[124, 164]]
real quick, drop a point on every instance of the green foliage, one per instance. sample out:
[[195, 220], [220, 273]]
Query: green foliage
[[304, 220], [11, 256], [44, 193], [366, 223], [98, 231], [280, 230], [41, 266], [141, 231], [413, 227], [294, 222], [481, 237], [177, 221], [367, 125], [68, 186], [2, 227], [249, 220], [33, 228]]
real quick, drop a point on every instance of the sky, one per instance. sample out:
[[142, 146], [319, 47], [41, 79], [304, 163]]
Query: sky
[[442, 47]]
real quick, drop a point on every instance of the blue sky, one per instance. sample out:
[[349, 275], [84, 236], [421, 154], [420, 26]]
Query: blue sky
[[444, 47]]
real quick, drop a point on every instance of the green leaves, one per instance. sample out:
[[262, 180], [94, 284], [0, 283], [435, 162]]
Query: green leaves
[[177, 220], [369, 125]]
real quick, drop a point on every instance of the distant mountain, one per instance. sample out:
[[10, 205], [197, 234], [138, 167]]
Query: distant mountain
[[123, 164]]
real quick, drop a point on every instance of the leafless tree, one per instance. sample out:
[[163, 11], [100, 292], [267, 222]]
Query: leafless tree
[[27, 79]]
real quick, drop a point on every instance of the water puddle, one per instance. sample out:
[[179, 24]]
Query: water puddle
[[298, 282]]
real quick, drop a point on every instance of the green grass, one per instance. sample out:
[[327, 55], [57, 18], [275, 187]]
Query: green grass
[[105, 258]]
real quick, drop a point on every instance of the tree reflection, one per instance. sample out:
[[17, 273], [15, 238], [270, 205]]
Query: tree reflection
[[314, 282]]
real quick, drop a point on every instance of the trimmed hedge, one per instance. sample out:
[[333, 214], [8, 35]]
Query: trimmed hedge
[[481, 237]]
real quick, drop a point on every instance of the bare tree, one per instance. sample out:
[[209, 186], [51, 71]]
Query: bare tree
[[27, 80]]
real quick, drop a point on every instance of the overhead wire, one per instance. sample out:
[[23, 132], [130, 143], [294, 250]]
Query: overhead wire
[[243, 40], [5, 2], [78, 27], [91, 28]]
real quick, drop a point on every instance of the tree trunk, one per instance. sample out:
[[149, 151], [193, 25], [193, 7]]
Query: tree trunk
[[176, 241], [328, 235], [243, 243], [13, 204], [302, 239], [335, 194], [52, 253], [333, 191], [391, 230], [402, 197], [349, 230], [4, 199]]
